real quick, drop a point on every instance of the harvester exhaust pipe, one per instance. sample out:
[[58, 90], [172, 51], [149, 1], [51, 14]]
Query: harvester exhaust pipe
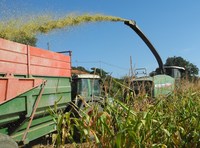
[[132, 24]]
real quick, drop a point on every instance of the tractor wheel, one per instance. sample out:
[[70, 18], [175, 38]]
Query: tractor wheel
[[7, 142]]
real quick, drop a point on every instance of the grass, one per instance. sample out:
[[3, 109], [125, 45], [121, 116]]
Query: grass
[[167, 122]]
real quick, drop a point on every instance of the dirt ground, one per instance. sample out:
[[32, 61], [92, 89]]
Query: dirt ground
[[46, 143], [82, 145]]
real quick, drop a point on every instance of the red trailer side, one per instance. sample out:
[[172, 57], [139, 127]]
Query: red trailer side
[[20, 59]]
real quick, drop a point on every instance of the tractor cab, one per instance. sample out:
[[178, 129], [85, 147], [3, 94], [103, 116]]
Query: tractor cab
[[174, 71], [85, 88]]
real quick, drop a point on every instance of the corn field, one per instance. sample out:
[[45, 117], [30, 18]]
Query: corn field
[[171, 121]]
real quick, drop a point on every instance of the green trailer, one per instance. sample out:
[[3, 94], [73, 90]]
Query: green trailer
[[31, 81]]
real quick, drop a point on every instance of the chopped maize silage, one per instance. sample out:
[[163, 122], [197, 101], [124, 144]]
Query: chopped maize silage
[[17, 28]]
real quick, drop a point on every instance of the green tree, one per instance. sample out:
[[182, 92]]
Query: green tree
[[190, 68], [81, 69], [26, 40], [22, 38], [99, 72]]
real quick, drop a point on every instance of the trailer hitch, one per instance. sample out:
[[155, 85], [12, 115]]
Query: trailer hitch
[[132, 24]]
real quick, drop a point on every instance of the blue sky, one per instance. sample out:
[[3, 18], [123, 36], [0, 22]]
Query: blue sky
[[173, 27]]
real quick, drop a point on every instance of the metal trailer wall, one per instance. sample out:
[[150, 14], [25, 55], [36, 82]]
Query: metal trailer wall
[[31, 81]]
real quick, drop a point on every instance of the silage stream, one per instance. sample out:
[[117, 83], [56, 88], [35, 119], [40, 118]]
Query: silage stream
[[18, 28]]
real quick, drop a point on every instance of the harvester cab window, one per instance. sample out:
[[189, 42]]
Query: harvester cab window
[[175, 73], [95, 87], [83, 87]]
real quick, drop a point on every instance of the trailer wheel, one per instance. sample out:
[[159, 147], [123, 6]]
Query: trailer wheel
[[7, 142]]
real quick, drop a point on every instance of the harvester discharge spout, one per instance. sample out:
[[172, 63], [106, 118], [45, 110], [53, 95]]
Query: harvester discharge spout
[[132, 24]]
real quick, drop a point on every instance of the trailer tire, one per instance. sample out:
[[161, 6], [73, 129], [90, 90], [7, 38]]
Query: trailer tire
[[7, 142]]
